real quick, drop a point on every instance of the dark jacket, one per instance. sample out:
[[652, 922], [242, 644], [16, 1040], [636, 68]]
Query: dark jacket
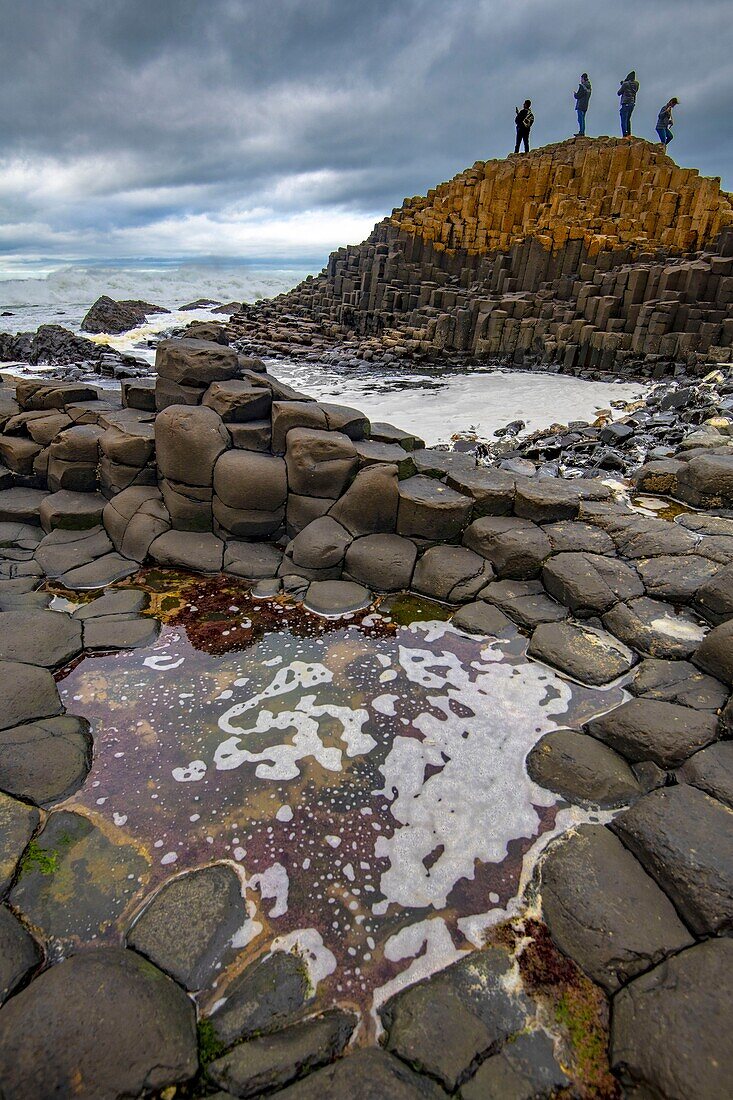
[[629, 88], [582, 96], [664, 119], [524, 118]]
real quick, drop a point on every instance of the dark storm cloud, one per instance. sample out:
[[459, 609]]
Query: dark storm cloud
[[143, 127]]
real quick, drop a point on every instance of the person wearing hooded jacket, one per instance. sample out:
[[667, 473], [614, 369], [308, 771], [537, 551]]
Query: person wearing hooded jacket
[[523, 119], [628, 89], [582, 99], [665, 122]]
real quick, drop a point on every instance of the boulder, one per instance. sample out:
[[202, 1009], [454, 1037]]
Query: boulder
[[20, 955], [429, 510], [201, 552], [139, 393], [706, 481], [271, 1061], [45, 638], [333, 598], [711, 770], [678, 682], [604, 910], [384, 563], [18, 453], [714, 597], [287, 415], [648, 729], [46, 760], [128, 444], [526, 1067], [319, 463], [451, 573], [28, 693], [265, 996], [369, 505], [342, 418], [682, 837], [515, 547], [655, 628], [106, 315], [206, 909], [526, 602], [141, 1034], [589, 584], [71, 511], [482, 618], [582, 769], [584, 652], [134, 519], [492, 491], [188, 441], [188, 506], [238, 401], [676, 578], [252, 560], [195, 362], [715, 654], [320, 545], [169, 393], [442, 1026], [247, 480], [667, 1026]]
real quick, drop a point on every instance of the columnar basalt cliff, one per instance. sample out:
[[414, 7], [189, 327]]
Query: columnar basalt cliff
[[590, 254]]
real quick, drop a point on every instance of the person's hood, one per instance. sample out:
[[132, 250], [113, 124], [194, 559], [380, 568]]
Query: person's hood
[[631, 76]]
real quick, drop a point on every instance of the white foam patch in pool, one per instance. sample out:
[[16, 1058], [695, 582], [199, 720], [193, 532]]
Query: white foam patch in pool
[[195, 771], [479, 797], [384, 704], [272, 883], [296, 675], [164, 663], [428, 943]]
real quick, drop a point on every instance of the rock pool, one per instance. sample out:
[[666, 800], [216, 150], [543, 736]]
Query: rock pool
[[367, 779]]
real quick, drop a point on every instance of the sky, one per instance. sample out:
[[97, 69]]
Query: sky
[[272, 131]]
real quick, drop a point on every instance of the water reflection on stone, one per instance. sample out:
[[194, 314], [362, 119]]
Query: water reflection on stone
[[367, 779]]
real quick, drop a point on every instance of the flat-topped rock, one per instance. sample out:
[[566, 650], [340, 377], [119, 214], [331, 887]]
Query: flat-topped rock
[[141, 1034], [334, 598], [604, 910], [372, 453], [188, 441], [582, 769], [682, 837], [368, 1074], [480, 617], [547, 499], [678, 682], [252, 560], [586, 653], [28, 692], [715, 654], [21, 505], [200, 551], [706, 481], [320, 545], [667, 1026], [265, 996], [46, 760], [387, 433], [46, 638], [676, 577], [105, 633], [272, 1061], [369, 505], [206, 908], [62, 550], [714, 597], [649, 729], [437, 464], [515, 547], [590, 584], [655, 628], [578, 537], [526, 1067], [711, 770], [429, 510], [71, 511], [492, 491], [451, 573], [99, 573], [384, 563], [526, 602], [646, 537], [195, 362], [238, 400], [319, 463]]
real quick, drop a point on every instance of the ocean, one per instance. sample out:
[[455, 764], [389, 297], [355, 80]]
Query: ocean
[[437, 403]]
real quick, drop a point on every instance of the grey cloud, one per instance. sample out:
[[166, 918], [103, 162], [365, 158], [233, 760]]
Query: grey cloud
[[189, 107]]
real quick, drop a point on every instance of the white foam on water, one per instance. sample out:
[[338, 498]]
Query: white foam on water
[[308, 943]]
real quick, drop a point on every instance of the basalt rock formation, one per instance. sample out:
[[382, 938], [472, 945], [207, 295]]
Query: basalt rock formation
[[107, 315], [591, 254]]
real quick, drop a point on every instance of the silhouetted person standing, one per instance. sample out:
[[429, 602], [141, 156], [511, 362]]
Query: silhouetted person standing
[[665, 122], [627, 91], [524, 118], [582, 99]]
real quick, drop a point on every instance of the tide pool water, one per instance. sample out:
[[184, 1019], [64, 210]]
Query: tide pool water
[[368, 781]]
